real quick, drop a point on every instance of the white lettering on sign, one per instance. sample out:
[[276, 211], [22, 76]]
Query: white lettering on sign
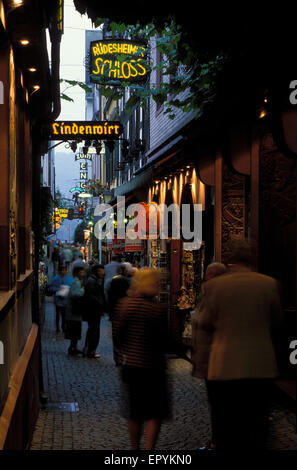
[[1, 93]]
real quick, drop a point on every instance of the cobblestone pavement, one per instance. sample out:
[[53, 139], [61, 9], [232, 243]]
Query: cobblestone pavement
[[94, 387]]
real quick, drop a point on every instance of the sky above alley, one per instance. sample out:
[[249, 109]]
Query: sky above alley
[[71, 68]]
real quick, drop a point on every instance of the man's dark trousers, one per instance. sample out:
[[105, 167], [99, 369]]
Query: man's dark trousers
[[93, 334]]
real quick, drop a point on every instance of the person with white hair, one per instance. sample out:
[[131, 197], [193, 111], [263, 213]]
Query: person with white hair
[[243, 310]]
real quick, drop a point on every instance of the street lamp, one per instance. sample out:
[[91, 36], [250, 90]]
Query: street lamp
[[107, 195]]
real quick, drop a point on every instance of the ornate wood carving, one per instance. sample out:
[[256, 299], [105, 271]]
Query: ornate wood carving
[[277, 181], [277, 217], [233, 206]]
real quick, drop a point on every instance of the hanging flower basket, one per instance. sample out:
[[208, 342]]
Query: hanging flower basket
[[95, 187]]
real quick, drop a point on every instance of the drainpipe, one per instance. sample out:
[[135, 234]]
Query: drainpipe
[[55, 73]]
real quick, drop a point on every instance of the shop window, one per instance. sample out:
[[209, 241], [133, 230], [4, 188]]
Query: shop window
[[168, 202], [187, 199]]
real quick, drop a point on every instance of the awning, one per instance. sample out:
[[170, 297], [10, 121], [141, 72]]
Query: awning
[[136, 182], [113, 208], [155, 157]]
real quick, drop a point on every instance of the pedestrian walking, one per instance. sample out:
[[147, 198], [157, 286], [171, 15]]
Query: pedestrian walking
[[79, 262], [95, 305], [74, 309], [202, 334], [68, 256], [118, 288], [243, 308], [60, 286], [76, 251], [139, 333], [56, 258], [119, 285], [110, 270]]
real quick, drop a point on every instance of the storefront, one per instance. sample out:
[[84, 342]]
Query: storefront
[[131, 251], [181, 263]]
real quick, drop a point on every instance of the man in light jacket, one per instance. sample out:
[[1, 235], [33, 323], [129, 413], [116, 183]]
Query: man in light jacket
[[243, 308], [60, 286]]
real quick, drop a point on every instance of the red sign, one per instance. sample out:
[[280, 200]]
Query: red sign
[[133, 245]]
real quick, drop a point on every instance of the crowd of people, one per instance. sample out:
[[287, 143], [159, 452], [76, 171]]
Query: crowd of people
[[233, 340]]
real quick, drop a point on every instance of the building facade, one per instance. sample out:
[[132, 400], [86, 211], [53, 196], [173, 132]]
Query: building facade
[[27, 103]]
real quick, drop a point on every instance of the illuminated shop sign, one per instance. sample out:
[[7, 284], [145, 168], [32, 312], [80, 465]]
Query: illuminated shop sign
[[113, 61], [74, 189], [81, 130], [82, 156]]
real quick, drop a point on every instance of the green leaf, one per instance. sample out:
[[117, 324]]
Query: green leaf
[[71, 82], [85, 87], [132, 101], [65, 97], [99, 21]]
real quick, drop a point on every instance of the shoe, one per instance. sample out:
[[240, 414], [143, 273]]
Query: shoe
[[75, 352], [78, 352], [93, 356], [209, 446]]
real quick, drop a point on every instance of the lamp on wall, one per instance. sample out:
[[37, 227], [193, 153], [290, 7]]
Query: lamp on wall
[[107, 195]]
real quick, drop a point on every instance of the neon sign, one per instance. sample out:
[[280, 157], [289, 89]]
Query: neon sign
[[81, 130], [113, 61]]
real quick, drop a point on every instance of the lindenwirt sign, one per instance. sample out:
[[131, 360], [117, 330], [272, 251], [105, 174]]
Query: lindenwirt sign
[[85, 130]]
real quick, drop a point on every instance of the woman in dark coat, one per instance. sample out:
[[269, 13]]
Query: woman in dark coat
[[140, 333]]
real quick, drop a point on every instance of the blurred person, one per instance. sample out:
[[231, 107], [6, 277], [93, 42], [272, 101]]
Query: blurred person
[[74, 310], [202, 338], [140, 333], [90, 264], [110, 270], [67, 252], [95, 305], [56, 257], [76, 251], [243, 309], [79, 262], [118, 288], [60, 286], [119, 285]]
